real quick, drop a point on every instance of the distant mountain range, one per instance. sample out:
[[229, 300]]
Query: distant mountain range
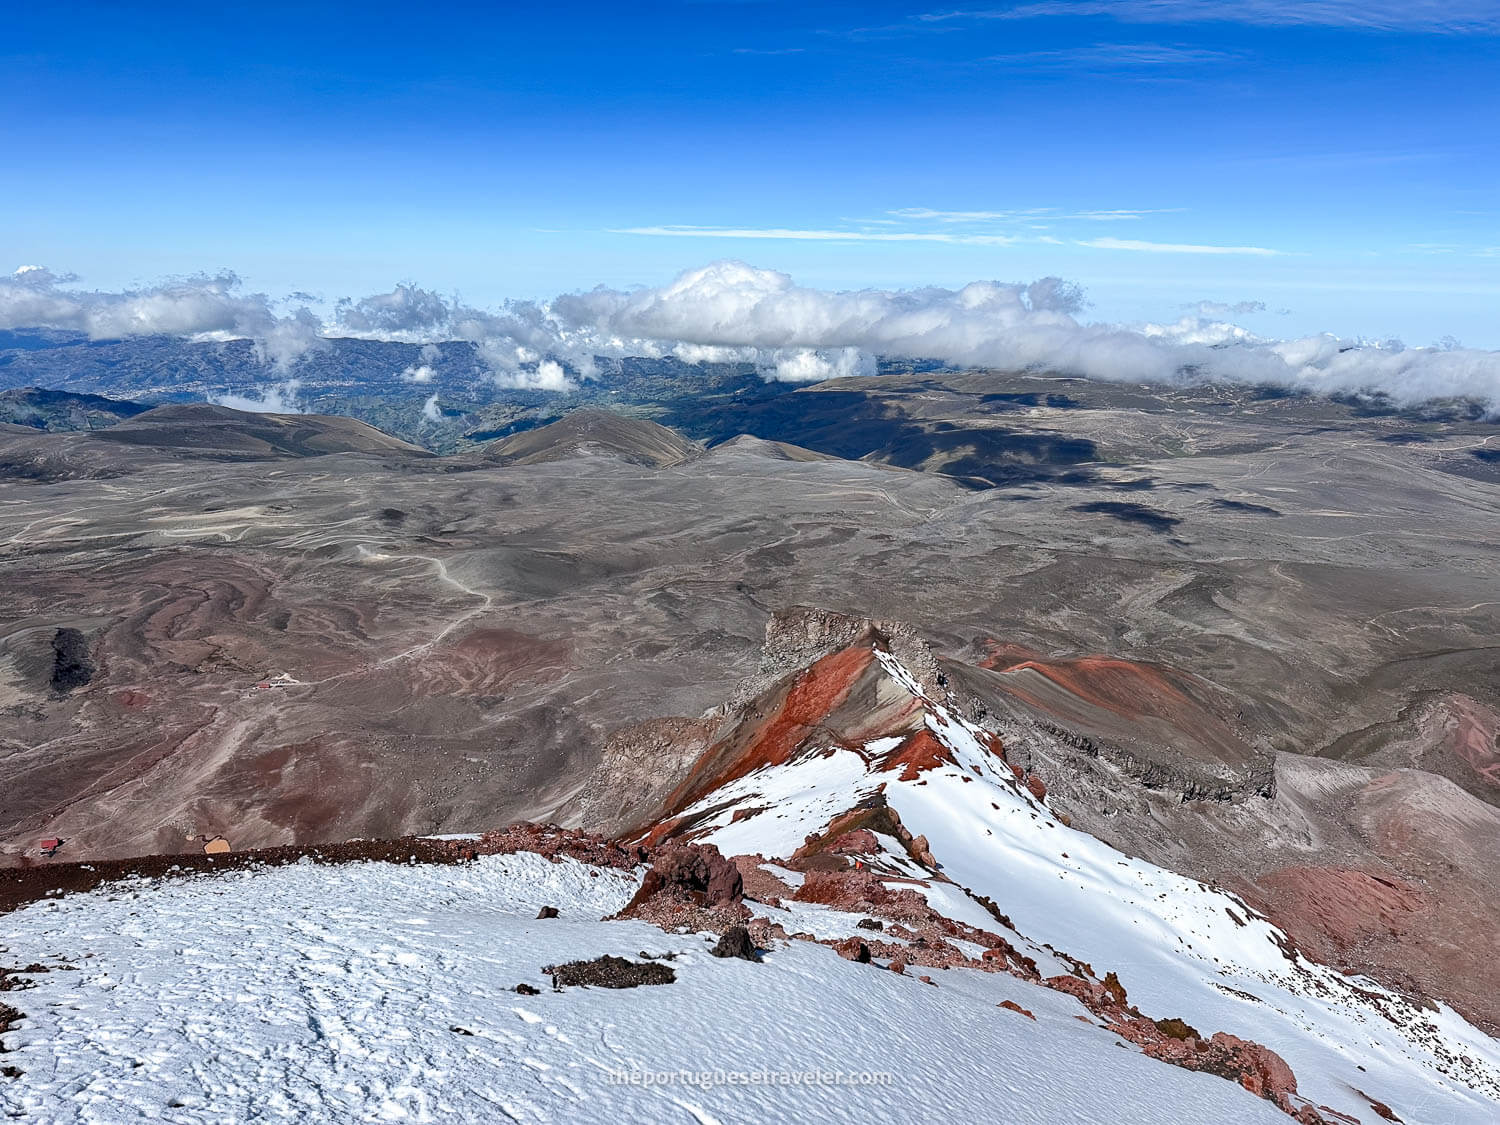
[[963, 424]]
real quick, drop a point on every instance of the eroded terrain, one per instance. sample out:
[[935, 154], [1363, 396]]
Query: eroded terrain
[[1252, 644]]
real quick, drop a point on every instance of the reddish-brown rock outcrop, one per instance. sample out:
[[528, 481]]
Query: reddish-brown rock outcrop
[[553, 842], [692, 885], [1257, 1068]]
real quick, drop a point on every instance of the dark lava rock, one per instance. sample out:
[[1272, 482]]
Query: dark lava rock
[[735, 942], [547, 912], [460, 1030], [697, 870], [525, 989], [72, 666], [870, 924], [610, 972]]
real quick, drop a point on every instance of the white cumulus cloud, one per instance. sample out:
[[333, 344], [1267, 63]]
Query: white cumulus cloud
[[206, 305], [280, 398], [729, 311]]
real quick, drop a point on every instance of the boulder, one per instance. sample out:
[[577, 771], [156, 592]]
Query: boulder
[[735, 942]]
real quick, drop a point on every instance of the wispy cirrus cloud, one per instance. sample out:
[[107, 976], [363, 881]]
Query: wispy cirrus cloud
[[1175, 247], [945, 237], [1115, 57], [1441, 17], [790, 234], [1031, 214]]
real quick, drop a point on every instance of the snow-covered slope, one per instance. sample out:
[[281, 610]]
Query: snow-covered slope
[[865, 812], [1180, 948], [375, 992]]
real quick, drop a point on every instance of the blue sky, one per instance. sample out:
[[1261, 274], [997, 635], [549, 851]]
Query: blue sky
[[1339, 161]]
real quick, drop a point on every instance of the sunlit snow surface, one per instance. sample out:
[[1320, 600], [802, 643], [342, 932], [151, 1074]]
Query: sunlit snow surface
[[1180, 948], [332, 994]]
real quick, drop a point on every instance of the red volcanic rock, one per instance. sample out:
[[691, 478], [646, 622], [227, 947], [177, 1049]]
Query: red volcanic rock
[[924, 935], [764, 932], [554, 842], [1176, 1028], [771, 741], [921, 751], [697, 872], [859, 842], [1113, 986], [922, 852], [1381, 1109], [690, 885], [861, 892], [1014, 1007], [1092, 994], [851, 833], [1130, 689], [546, 912], [1001, 956], [898, 967], [852, 949], [760, 884], [1258, 1069], [845, 890], [1037, 787], [1261, 1070]]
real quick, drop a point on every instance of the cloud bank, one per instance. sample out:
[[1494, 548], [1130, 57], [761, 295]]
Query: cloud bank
[[202, 305], [733, 312]]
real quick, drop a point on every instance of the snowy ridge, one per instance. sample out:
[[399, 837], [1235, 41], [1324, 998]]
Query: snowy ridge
[[379, 991], [1181, 949], [376, 992]]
